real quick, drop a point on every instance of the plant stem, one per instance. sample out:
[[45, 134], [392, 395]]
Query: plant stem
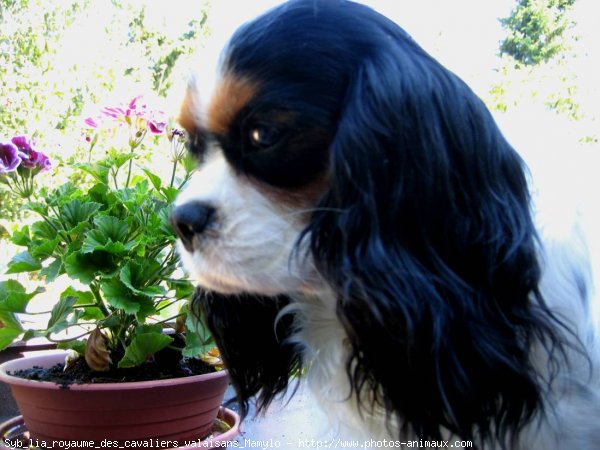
[[129, 170], [167, 305], [58, 341], [99, 302], [173, 173], [86, 305], [169, 319]]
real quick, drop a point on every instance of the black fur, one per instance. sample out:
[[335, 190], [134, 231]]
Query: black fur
[[425, 233], [252, 344]]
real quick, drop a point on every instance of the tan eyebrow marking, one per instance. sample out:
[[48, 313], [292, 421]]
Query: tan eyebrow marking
[[232, 94], [189, 112]]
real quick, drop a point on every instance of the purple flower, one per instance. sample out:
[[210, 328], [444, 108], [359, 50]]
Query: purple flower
[[36, 161], [10, 158], [30, 159], [44, 163], [22, 143]]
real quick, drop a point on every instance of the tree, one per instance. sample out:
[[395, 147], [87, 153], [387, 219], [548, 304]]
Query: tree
[[536, 58], [536, 30]]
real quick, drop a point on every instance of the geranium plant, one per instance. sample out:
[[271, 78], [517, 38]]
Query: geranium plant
[[108, 232]]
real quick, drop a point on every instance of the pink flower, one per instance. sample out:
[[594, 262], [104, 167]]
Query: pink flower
[[133, 102], [156, 127], [116, 113], [135, 113], [91, 122]]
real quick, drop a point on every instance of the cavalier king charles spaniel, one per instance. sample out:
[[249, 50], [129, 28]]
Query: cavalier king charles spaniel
[[358, 220]]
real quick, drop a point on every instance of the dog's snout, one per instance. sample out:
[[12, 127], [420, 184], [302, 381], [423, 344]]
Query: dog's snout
[[191, 219]]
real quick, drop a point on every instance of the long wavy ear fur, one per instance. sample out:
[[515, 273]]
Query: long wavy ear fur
[[252, 340], [427, 237]]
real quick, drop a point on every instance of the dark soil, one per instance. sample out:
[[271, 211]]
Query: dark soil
[[80, 373]]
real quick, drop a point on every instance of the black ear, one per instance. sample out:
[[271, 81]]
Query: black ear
[[426, 236], [252, 340]]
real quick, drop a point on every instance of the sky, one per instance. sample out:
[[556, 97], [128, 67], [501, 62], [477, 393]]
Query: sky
[[463, 34]]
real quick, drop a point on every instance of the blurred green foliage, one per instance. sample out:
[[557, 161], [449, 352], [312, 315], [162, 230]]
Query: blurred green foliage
[[59, 57]]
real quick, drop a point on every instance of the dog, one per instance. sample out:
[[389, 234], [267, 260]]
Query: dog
[[358, 219]]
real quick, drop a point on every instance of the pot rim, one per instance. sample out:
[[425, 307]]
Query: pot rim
[[229, 415], [56, 357]]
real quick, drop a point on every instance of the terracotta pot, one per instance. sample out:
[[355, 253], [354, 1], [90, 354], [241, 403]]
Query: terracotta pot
[[177, 409]]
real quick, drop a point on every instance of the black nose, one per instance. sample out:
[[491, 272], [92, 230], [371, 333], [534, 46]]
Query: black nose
[[190, 220]]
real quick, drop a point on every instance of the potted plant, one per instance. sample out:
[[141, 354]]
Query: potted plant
[[106, 231]]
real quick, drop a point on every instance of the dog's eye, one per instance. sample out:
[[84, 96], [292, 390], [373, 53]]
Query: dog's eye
[[264, 136]]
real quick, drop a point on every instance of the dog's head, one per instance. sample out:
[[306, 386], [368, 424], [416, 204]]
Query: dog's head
[[336, 154]]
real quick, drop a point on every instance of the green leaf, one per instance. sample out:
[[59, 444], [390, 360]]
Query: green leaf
[[94, 240], [99, 170], [113, 228], [14, 297], [118, 296], [149, 328], [117, 160], [23, 262], [83, 298], [97, 240], [85, 267], [44, 249], [10, 320], [189, 163], [65, 193], [154, 179], [135, 276], [30, 334], [21, 237], [147, 308], [142, 346], [98, 193], [76, 211], [58, 316], [37, 207], [76, 267], [43, 231], [8, 336], [198, 338], [53, 270], [183, 288], [169, 193]]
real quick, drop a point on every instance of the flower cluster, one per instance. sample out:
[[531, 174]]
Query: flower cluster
[[134, 114], [20, 163]]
